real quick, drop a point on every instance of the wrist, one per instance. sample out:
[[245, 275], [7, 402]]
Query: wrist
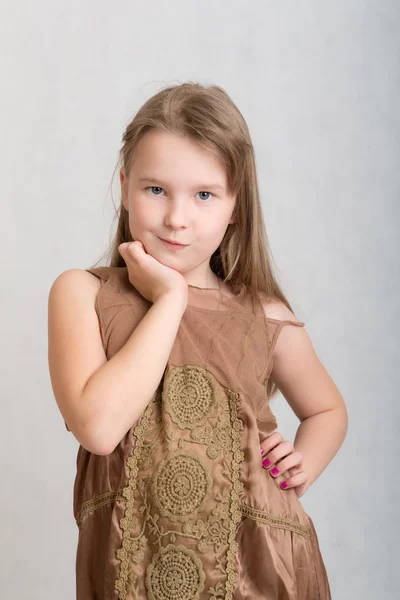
[[178, 298]]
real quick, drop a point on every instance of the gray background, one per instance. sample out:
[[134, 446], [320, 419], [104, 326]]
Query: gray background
[[318, 83]]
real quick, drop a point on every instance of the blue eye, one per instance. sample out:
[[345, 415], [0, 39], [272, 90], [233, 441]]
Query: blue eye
[[205, 193], [156, 187]]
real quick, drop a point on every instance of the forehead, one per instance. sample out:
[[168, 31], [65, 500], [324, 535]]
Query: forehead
[[166, 156]]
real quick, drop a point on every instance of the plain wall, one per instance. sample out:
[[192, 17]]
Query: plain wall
[[318, 84]]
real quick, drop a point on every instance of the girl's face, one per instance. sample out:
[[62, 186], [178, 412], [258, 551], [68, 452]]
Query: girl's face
[[177, 190]]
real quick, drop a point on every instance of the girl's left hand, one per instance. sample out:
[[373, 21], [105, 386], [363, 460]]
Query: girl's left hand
[[274, 449]]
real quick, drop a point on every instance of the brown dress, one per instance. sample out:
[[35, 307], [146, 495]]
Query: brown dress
[[182, 509]]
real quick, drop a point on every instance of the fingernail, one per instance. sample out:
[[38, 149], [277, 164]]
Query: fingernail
[[283, 484], [266, 462], [274, 471], [262, 450]]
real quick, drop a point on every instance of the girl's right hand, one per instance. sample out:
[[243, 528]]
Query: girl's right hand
[[150, 277]]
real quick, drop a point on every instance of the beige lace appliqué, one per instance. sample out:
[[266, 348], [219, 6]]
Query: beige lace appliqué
[[182, 500]]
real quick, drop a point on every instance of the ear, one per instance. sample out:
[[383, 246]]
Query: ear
[[124, 188]]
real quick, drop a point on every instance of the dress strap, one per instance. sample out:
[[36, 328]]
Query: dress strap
[[103, 273], [276, 327]]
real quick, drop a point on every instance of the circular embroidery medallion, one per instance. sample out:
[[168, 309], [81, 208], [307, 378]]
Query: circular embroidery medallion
[[175, 573], [181, 485], [188, 396]]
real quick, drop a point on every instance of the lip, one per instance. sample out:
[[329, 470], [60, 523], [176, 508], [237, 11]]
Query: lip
[[173, 245]]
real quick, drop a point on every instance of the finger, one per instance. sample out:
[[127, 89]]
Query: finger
[[298, 479], [292, 461], [135, 249], [277, 453], [296, 469], [270, 442]]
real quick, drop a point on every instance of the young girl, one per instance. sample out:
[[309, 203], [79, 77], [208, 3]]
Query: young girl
[[163, 364]]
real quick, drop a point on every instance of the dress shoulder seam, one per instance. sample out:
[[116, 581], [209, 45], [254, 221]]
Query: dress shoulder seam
[[292, 322]]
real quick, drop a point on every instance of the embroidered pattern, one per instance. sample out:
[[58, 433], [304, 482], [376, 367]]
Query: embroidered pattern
[[175, 572], [188, 396], [182, 484], [172, 492]]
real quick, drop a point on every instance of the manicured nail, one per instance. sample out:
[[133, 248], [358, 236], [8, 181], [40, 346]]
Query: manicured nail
[[266, 462], [262, 450], [283, 484], [274, 471]]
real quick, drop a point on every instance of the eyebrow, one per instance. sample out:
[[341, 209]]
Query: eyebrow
[[201, 186]]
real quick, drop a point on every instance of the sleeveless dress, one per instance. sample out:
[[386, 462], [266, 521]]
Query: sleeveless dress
[[182, 509]]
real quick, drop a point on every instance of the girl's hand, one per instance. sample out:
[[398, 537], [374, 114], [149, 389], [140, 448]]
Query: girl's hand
[[275, 449], [150, 277]]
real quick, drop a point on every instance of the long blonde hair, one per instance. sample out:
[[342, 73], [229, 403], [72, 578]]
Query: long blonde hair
[[207, 115]]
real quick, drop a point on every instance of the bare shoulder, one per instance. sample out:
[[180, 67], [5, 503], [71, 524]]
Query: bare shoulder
[[289, 340], [276, 309], [75, 282], [71, 304]]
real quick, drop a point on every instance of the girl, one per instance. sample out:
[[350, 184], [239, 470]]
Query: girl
[[163, 364]]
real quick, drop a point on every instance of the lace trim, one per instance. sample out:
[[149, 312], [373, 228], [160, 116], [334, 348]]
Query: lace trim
[[280, 522], [103, 500], [247, 511]]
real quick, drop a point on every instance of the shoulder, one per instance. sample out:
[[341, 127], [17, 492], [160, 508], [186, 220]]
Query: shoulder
[[276, 310], [101, 287], [72, 291], [92, 278], [74, 281], [287, 334]]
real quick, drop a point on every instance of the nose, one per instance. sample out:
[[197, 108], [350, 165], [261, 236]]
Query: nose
[[177, 213]]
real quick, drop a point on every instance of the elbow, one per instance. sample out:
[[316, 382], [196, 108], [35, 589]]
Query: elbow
[[104, 450], [94, 446], [99, 450], [98, 440], [91, 438], [98, 445]]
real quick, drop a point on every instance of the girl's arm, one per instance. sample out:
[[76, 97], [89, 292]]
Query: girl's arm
[[311, 393], [101, 399]]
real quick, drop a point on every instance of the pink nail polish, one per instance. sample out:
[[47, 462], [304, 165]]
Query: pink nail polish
[[283, 484], [275, 471], [262, 451], [266, 462]]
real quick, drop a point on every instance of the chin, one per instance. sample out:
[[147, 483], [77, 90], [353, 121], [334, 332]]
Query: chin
[[162, 257]]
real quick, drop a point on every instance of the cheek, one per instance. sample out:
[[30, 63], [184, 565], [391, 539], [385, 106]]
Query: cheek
[[141, 215], [214, 231]]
